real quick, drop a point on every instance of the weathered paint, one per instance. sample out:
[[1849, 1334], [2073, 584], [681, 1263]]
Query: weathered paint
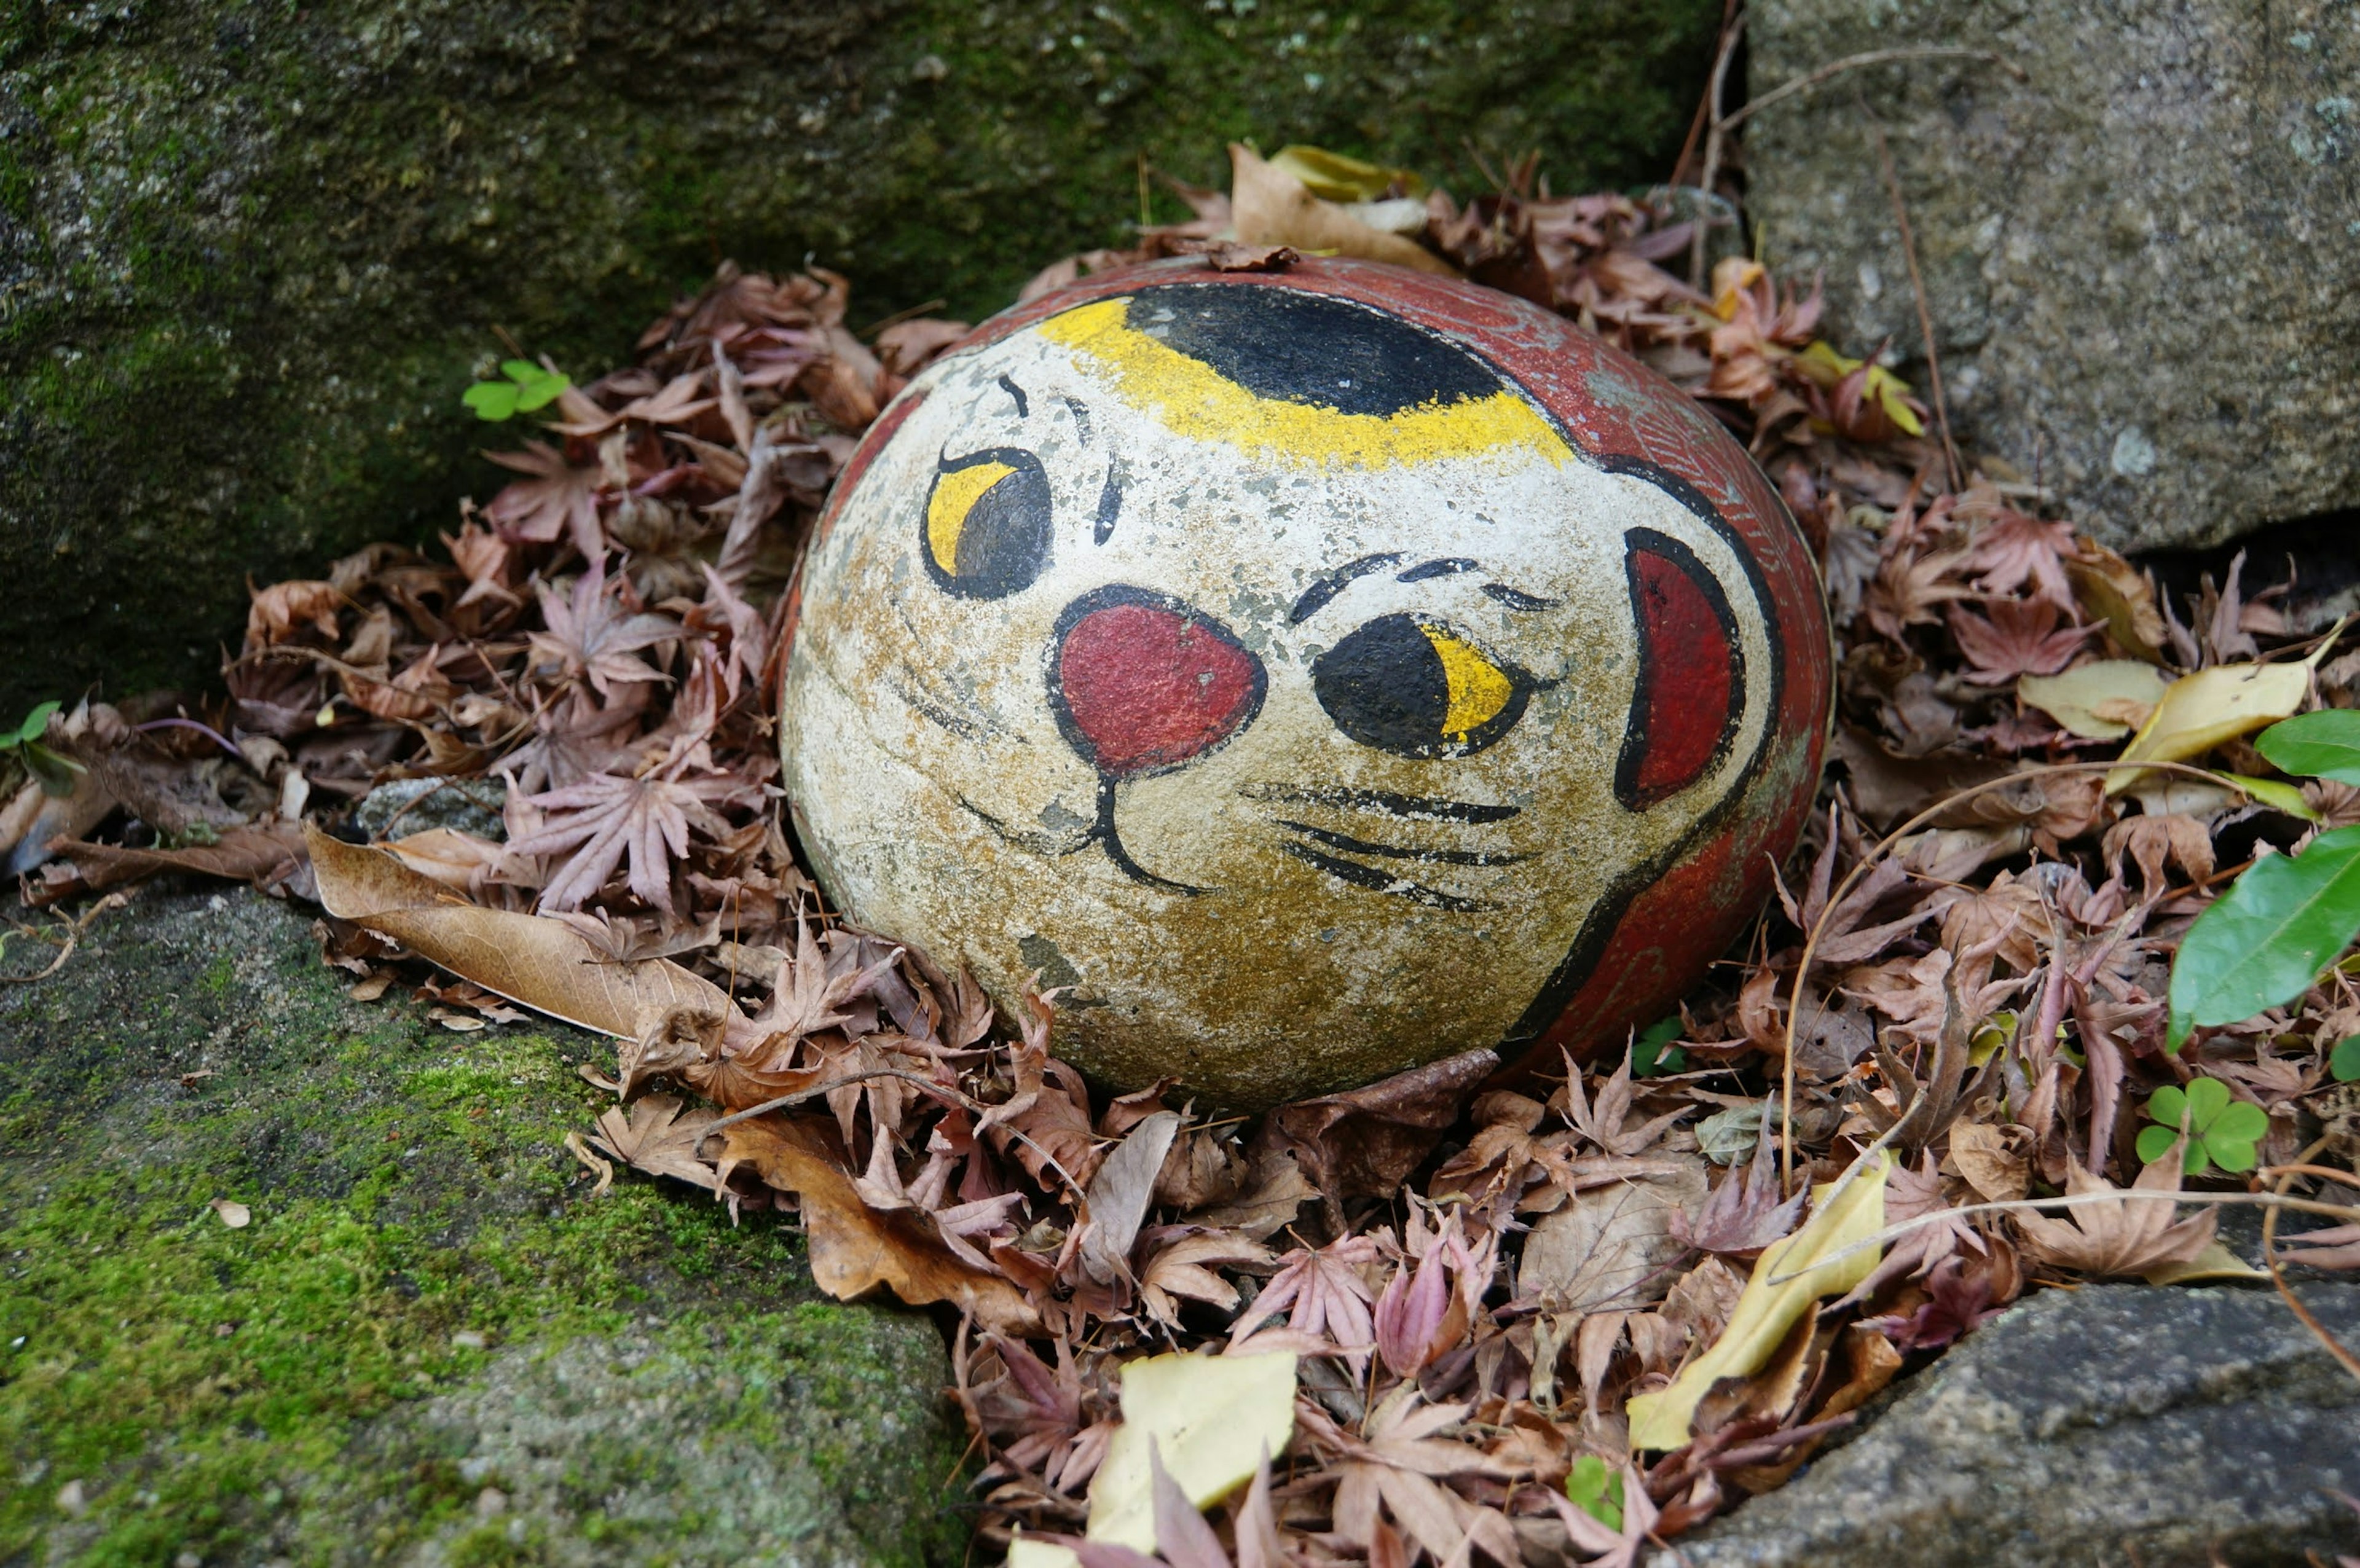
[[1319, 674]]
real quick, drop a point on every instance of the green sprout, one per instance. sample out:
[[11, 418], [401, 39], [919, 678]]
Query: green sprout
[[2221, 1130], [24, 742], [1596, 1490], [1649, 1055], [528, 386]]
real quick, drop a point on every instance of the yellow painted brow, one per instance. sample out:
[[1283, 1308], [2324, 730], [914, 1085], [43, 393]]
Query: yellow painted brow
[[954, 497], [1477, 687], [1193, 400]]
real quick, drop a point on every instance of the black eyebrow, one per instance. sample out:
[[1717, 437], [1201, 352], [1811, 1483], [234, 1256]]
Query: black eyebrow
[[1316, 596], [1023, 408], [1450, 567], [1109, 508], [1384, 800], [1399, 852], [1518, 601]]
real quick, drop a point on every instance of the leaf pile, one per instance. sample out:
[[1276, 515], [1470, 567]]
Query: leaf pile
[[1534, 1319]]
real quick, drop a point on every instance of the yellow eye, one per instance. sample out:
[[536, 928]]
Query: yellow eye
[[987, 528], [1418, 689], [1477, 689]]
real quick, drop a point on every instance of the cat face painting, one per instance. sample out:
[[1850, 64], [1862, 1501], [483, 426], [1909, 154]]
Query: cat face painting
[[1314, 674]]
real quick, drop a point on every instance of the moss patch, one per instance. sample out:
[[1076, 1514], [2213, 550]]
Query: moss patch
[[251, 253], [430, 1344]]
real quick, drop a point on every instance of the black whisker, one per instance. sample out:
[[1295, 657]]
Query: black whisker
[[1109, 508], [1516, 599], [1451, 567], [1333, 582], [1023, 408], [1399, 852], [1379, 881], [1417, 807]]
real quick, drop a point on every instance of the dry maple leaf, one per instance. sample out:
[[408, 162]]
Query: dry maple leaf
[[1187, 1268], [606, 816], [1607, 1123], [2127, 1236], [2019, 637], [558, 499], [2012, 549], [655, 1135], [589, 637], [1324, 1291]]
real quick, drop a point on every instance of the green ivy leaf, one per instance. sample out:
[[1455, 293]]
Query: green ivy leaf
[[2324, 745], [2265, 940], [1648, 1053], [1596, 1490], [2344, 1062]]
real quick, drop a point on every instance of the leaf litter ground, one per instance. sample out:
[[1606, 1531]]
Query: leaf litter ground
[[1444, 1316]]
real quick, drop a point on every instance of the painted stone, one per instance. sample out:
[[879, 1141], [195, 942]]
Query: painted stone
[[1317, 674]]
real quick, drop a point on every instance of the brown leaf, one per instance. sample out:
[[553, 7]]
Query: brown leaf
[[1983, 1154], [538, 962], [266, 856], [853, 1249], [1271, 207], [1363, 1142], [658, 1137], [2123, 1237], [1612, 1245]]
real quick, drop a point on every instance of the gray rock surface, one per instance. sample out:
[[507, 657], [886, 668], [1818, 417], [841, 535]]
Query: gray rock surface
[[2142, 262], [430, 1344], [250, 255], [2109, 1425]]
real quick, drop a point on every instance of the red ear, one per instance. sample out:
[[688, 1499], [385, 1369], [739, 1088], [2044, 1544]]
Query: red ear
[[1691, 687]]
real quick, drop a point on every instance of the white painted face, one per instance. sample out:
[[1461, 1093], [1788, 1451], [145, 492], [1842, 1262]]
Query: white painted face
[[1267, 671]]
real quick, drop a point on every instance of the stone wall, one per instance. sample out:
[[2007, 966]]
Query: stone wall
[[2142, 260], [250, 254]]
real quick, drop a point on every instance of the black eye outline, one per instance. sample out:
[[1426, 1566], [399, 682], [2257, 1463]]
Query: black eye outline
[[1001, 540], [1386, 685]]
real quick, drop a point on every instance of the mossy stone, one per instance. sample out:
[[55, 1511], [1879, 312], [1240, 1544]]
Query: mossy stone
[[250, 254], [431, 1345]]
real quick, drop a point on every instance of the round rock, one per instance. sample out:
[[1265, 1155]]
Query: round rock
[[1313, 674]]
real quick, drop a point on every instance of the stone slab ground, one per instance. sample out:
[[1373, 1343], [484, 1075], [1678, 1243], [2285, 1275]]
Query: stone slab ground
[[432, 1345]]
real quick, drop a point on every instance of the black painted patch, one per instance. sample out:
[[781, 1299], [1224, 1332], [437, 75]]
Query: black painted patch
[[1302, 347]]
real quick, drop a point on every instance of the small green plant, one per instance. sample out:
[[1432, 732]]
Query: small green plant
[[1649, 1053], [24, 744], [2264, 941], [2344, 1062], [1596, 1490], [529, 386], [2221, 1130]]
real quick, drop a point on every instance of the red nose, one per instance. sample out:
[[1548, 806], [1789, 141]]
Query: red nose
[[1142, 682]]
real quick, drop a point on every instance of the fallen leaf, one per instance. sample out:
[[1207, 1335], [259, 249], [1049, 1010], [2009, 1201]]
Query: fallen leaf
[[1846, 1211], [655, 1135], [1991, 1168], [234, 1214], [855, 1248], [2101, 701], [1610, 1246], [2215, 1262], [1272, 207], [2209, 707], [1211, 1419], [2126, 1237], [534, 961], [262, 856], [1119, 1195]]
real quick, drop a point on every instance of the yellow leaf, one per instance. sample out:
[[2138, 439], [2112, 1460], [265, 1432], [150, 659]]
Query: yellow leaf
[[1823, 365], [1894, 393], [2200, 710], [1332, 177], [1212, 1417], [1843, 1212], [1271, 206], [1024, 1551], [2277, 795], [1732, 276], [2215, 1262], [2081, 699]]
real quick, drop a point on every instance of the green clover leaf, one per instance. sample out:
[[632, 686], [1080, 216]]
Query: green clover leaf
[[1596, 1490], [2222, 1130], [528, 386]]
